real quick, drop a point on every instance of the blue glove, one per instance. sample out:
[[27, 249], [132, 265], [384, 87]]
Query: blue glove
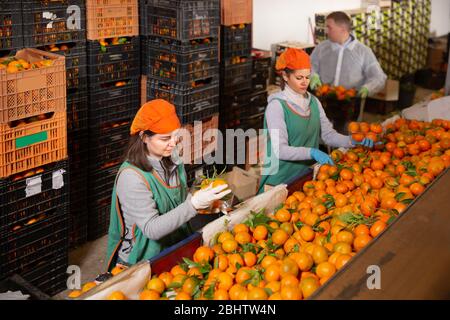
[[365, 143], [321, 157], [363, 92]]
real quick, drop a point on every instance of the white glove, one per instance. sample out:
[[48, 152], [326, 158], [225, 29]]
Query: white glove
[[204, 198]]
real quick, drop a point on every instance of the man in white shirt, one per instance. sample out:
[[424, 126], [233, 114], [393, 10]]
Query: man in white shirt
[[344, 61]]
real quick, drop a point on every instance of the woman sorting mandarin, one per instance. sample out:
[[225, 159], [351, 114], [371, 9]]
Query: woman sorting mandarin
[[151, 207], [295, 122]]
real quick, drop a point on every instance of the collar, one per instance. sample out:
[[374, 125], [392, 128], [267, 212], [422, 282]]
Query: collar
[[296, 98], [349, 44]]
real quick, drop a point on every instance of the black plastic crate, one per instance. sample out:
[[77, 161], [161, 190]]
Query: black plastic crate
[[17, 283], [53, 22], [77, 114], [98, 224], [182, 94], [114, 103], [181, 67], [179, 46], [22, 250], [236, 41], [101, 182], [51, 277], [16, 209], [78, 226], [261, 64], [11, 32], [236, 77], [180, 19], [113, 62]]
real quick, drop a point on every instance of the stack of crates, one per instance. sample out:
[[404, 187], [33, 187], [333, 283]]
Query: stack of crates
[[398, 36], [11, 29], [113, 56], [66, 36], [180, 55], [34, 186]]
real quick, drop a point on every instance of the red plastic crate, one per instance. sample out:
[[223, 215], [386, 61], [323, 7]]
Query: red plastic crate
[[33, 92], [31, 145], [112, 18]]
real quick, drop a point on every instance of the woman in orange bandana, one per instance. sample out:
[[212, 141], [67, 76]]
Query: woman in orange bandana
[[150, 206], [295, 121]]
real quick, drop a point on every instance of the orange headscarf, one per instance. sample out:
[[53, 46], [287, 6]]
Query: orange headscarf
[[293, 59], [158, 116]]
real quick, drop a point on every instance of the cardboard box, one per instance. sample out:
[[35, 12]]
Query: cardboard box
[[243, 183], [390, 91]]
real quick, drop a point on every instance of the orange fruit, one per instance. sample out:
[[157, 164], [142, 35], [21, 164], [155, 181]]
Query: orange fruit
[[346, 174], [225, 236], [267, 261], [88, 286], [343, 247], [260, 232], [416, 188], [240, 228], [311, 219], [361, 241], [242, 238], [288, 267], [319, 254], [307, 233], [234, 259], [283, 215], [304, 261], [289, 280], [221, 262], [221, 294], [203, 254], [272, 273], [117, 269], [74, 294], [176, 270], [353, 127], [250, 259], [325, 269], [156, 284], [182, 296], [279, 237], [149, 295], [345, 236], [377, 228], [225, 281], [342, 260], [235, 291], [117, 295], [291, 293], [194, 271], [242, 275], [309, 286], [166, 277], [257, 294], [229, 245]]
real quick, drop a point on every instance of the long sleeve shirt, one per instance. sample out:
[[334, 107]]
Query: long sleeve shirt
[[275, 120], [139, 206]]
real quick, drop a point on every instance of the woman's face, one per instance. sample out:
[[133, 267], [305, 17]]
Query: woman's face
[[161, 145], [298, 80]]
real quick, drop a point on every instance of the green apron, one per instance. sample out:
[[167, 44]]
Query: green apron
[[166, 198], [302, 132]]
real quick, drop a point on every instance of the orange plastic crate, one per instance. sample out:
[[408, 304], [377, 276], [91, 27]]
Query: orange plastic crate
[[35, 91], [112, 18], [236, 12], [201, 145], [32, 145]]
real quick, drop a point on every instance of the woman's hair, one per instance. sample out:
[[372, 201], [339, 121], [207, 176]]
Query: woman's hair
[[136, 153], [288, 74]]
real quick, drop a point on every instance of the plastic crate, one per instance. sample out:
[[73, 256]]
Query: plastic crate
[[77, 115], [22, 250], [11, 34], [53, 22], [32, 145], [101, 182], [181, 67], [180, 19], [112, 18], [261, 64], [25, 197], [143, 92], [109, 147], [98, 224], [114, 104], [50, 275], [78, 228], [114, 62], [236, 11], [198, 144], [236, 77], [76, 62], [35, 91], [236, 41], [179, 46]]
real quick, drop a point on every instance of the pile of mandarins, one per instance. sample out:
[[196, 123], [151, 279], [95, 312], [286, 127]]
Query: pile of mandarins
[[291, 253]]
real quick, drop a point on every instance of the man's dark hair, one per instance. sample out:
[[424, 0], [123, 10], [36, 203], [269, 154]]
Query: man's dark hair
[[341, 18]]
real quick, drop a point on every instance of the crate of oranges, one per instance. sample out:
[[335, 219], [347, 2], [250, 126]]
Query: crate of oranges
[[32, 82]]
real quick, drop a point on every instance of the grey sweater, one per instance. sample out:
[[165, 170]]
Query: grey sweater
[[275, 120], [139, 207]]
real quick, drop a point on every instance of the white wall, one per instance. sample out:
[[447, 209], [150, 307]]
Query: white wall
[[440, 17], [280, 20]]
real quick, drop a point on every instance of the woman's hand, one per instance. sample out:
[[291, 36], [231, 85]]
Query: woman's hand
[[204, 198], [321, 157], [366, 142]]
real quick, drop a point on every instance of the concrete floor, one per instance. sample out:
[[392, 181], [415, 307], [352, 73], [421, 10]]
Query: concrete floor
[[91, 256]]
